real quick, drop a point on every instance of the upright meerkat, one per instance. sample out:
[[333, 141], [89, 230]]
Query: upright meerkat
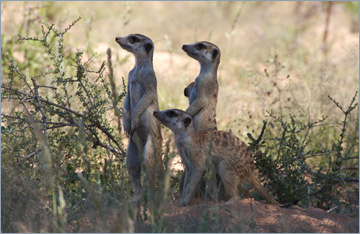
[[203, 93], [221, 194], [138, 120], [231, 157]]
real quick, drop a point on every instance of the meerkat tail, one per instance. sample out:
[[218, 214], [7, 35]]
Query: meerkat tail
[[257, 185]]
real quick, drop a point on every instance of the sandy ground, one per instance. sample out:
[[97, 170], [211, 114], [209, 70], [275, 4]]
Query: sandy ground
[[248, 215], [243, 216]]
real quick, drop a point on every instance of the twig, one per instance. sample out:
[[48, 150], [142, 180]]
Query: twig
[[97, 124], [113, 89], [350, 168], [260, 136], [45, 101], [29, 156], [40, 106], [332, 209], [44, 86], [326, 28], [22, 76]]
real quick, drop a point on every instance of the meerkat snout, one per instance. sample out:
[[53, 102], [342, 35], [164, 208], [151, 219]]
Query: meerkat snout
[[155, 113], [117, 39]]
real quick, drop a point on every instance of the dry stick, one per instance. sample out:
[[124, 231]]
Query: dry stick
[[326, 28], [97, 124], [22, 76], [45, 86], [260, 136], [29, 156], [113, 89], [45, 101], [40, 106]]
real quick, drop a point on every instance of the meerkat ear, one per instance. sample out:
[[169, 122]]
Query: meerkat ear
[[187, 122], [215, 53], [148, 47]]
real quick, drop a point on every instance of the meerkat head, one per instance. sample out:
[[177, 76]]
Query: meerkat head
[[204, 52], [174, 119], [139, 45]]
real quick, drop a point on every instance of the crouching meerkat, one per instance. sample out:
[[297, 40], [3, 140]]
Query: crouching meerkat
[[140, 102], [231, 157]]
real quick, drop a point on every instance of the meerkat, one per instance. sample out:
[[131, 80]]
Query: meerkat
[[221, 194], [140, 102], [231, 157], [203, 94]]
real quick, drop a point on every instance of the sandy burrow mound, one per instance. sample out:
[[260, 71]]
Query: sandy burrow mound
[[249, 215]]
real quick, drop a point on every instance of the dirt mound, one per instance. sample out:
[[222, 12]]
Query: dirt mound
[[249, 215]]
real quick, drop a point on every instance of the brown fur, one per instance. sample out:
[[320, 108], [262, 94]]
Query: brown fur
[[233, 159]]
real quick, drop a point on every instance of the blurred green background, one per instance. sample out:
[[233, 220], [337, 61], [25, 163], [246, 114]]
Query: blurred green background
[[250, 36]]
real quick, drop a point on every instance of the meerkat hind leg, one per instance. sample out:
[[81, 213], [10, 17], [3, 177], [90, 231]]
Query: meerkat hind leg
[[150, 163], [231, 183], [133, 165], [244, 191], [191, 186]]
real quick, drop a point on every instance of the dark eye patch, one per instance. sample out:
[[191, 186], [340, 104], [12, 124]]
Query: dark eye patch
[[200, 46], [171, 114], [187, 122], [133, 39]]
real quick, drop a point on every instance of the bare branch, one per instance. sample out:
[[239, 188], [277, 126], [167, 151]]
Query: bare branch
[[33, 154], [40, 106]]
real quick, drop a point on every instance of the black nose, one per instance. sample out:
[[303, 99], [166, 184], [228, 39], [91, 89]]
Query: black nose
[[117, 39], [155, 113], [184, 47]]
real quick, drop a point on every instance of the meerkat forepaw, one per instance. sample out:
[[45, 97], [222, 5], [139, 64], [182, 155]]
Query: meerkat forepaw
[[134, 125], [127, 131]]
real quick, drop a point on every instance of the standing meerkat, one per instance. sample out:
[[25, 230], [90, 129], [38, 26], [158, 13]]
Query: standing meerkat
[[203, 93], [221, 194], [140, 102], [231, 157]]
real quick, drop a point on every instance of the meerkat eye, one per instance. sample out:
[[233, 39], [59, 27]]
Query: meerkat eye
[[133, 39], [171, 114], [200, 46]]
